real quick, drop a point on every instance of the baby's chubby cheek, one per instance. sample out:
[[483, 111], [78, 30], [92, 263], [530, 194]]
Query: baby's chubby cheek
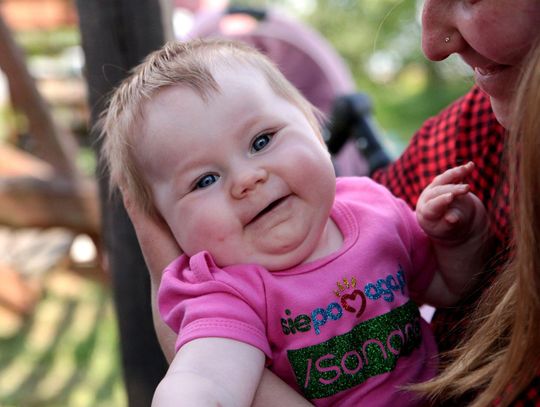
[[203, 237]]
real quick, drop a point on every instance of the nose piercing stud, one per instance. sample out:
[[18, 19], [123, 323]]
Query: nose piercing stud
[[447, 39]]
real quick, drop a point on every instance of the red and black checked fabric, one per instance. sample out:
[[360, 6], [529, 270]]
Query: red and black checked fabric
[[530, 397], [465, 131]]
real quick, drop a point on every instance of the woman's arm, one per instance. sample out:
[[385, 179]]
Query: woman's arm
[[159, 249]]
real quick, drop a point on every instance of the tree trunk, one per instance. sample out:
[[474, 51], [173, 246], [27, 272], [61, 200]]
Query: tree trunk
[[117, 35]]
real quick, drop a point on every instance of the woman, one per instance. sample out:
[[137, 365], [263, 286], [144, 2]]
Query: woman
[[493, 37], [501, 360]]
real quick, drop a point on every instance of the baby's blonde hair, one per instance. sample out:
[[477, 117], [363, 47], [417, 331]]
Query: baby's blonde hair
[[176, 63]]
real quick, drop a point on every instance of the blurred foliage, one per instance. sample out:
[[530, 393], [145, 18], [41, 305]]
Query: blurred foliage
[[380, 42], [6, 121], [48, 42]]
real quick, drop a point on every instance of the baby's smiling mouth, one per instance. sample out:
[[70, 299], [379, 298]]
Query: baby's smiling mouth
[[268, 208]]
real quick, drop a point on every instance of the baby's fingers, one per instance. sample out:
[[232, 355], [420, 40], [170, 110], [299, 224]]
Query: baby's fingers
[[453, 216], [435, 208], [453, 175], [438, 190]]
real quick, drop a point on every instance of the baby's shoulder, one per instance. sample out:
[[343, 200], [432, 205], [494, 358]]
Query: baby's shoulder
[[201, 267], [365, 197], [363, 189]]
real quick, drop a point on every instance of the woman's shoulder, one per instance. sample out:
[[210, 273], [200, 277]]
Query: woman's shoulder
[[466, 114], [453, 136]]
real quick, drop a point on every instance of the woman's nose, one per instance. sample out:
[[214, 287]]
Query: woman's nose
[[440, 36], [246, 180]]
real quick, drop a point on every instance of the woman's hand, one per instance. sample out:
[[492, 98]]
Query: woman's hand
[[158, 245], [159, 249]]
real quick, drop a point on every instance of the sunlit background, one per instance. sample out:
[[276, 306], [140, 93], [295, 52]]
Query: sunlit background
[[58, 334]]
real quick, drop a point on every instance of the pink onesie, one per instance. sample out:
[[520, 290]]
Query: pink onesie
[[343, 329]]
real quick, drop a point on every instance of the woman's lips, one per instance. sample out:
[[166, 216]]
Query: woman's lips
[[491, 70]]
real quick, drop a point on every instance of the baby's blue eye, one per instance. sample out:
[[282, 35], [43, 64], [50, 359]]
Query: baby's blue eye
[[261, 142], [206, 180]]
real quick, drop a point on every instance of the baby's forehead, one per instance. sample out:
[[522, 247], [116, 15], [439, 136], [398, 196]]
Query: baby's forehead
[[233, 74], [238, 71], [227, 80]]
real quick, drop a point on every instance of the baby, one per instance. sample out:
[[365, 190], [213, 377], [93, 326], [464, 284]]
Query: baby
[[284, 266]]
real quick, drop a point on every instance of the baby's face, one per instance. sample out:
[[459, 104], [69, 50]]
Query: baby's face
[[243, 176]]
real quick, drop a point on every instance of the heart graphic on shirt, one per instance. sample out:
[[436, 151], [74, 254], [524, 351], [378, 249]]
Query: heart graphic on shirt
[[348, 299]]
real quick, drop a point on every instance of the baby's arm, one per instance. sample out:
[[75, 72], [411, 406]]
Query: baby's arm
[[211, 372], [159, 249], [273, 391], [455, 219]]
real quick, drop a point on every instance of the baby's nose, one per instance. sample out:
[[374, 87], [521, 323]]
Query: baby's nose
[[247, 180]]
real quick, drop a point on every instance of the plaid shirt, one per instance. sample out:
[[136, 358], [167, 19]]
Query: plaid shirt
[[465, 131], [530, 397]]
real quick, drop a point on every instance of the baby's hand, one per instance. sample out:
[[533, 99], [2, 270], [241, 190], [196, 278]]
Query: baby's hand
[[446, 209]]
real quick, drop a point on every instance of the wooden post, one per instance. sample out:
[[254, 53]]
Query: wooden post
[[45, 188], [55, 147], [117, 35]]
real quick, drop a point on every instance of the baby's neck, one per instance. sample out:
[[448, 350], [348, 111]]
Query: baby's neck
[[331, 241]]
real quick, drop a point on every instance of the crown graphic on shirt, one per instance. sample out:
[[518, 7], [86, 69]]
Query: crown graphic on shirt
[[344, 285]]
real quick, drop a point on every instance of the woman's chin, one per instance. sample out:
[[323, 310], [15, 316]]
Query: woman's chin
[[503, 112]]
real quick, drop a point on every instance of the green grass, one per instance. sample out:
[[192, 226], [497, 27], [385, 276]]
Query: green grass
[[66, 353]]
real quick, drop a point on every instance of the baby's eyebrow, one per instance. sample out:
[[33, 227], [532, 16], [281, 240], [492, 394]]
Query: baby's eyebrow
[[182, 174], [190, 167], [251, 123], [182, 186]]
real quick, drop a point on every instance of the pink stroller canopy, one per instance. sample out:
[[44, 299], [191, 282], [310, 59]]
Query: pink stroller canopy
[[304, 56]]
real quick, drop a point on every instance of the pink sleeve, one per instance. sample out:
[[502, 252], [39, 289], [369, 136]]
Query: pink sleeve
[[199, 300]]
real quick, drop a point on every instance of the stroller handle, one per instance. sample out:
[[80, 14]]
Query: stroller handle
[[351, 118], [258, 14]]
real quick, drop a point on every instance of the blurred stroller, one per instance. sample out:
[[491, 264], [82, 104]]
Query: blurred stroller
[[313, 66]]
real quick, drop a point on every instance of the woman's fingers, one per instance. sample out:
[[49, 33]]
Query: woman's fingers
[[158, 245]]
